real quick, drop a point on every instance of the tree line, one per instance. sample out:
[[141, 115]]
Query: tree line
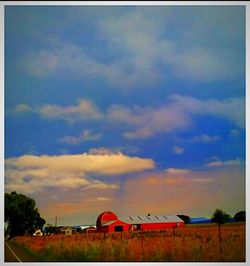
[[23, 217], [219, 216]]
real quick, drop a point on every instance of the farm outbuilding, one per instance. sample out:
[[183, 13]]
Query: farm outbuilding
[[110, 222], [67, 230]]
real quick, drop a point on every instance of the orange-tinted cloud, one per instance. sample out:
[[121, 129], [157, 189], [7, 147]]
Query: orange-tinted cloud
[[185, 191]]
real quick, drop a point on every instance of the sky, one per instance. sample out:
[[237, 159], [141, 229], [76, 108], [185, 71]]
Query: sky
[[132, 109]]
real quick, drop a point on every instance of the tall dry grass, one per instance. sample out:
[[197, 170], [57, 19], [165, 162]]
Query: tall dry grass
[[188, 244]]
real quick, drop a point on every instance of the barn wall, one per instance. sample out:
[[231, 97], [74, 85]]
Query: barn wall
[[103, 229], [154, 226], [127, 227], [111, 228]]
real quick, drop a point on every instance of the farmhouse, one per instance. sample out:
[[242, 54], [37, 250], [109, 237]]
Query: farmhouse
[[110, 222]]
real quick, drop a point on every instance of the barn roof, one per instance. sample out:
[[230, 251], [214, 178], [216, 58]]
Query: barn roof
[[146, 219], [150, 219], [109, 222]]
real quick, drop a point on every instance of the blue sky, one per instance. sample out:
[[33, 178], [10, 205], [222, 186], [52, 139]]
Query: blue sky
[[134, 109]]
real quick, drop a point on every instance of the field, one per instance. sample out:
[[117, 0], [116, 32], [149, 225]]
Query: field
[[189, 244]]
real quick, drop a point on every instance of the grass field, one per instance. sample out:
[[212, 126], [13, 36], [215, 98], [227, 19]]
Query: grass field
[[189, 244]]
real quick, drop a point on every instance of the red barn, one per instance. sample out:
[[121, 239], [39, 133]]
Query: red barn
[[109, 222]]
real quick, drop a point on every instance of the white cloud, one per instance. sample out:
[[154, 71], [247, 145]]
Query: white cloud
[[104, 151], [139, 35], [232, 109], [41, 63], [123, 114], [35, 173], [83, 111], [109, 165], [139, 133], [140, 42], [229, 163], [223, 54], [215, 164], [204, 138], [72, 61], [203, 64], [22, 108], [176, 114], [236, 162], [178, 150], [212, 158], [116, 150], [84, 137], [148, 120], [234, 133], [49, 62]]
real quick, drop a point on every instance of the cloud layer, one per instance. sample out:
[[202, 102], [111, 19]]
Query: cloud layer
[[177, 114], [139, 44], [33, 173]]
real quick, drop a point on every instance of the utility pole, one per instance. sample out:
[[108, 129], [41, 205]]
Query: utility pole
[[55, 221]]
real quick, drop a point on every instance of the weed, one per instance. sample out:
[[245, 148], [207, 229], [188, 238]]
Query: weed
[[188, 244]]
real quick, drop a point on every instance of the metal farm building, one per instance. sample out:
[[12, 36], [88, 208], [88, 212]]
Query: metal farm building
[[110, 222]]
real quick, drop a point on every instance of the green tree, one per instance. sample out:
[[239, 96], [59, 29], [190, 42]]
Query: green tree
[[220, 217], [240, 216], [21, 214]]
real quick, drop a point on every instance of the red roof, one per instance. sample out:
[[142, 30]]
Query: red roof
[[105, 217]]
